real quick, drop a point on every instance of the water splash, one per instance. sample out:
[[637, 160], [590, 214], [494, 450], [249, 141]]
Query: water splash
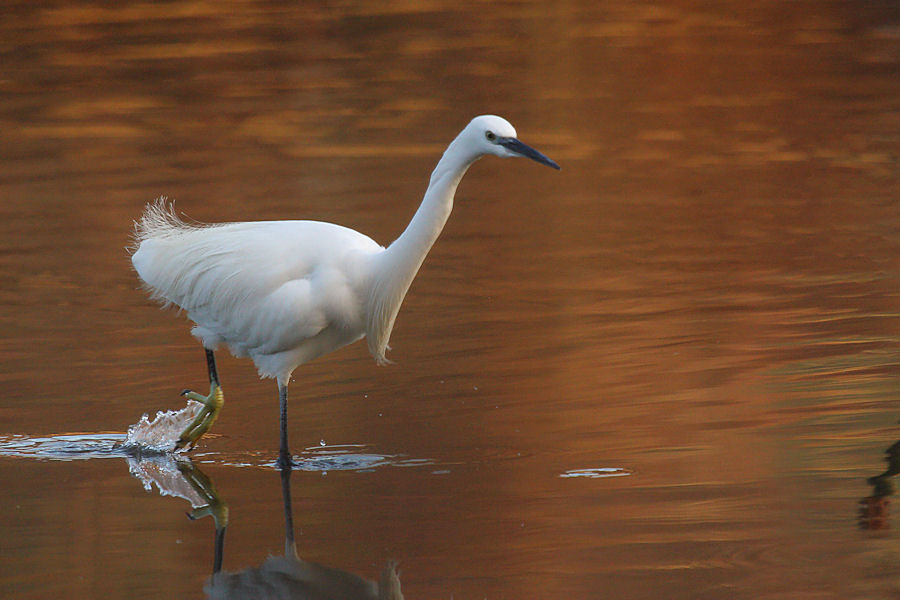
[[160, 435], [144, 438]]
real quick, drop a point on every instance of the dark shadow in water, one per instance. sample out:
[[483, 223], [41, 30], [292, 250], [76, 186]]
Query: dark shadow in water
[[874, 510]]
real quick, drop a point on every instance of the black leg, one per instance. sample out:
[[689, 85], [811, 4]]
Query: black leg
[[211, 365], [284, 456]]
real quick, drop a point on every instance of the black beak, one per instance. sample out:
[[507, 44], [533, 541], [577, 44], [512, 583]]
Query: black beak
[[514, 145]]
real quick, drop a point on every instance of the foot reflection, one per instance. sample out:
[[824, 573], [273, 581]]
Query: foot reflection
[[177, 476], [279, 577], [873, 510]]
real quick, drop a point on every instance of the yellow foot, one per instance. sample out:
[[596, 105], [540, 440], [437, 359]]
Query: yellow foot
[[212, 405], [215, 506]]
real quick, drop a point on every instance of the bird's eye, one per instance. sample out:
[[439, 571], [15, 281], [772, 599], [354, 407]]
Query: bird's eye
[[490, 136]]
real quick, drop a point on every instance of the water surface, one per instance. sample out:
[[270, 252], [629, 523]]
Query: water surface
[[703, 302]]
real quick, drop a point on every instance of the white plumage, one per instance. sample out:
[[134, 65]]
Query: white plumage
[[281, 292], [286, 292]]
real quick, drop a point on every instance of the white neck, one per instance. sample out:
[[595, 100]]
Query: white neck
[[396, 267]]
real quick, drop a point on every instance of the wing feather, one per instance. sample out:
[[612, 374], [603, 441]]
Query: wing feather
[[256, 285]]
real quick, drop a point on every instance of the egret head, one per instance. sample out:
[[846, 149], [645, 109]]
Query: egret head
[[495, 135]]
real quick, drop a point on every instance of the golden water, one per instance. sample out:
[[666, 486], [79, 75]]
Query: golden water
[[703, 302]]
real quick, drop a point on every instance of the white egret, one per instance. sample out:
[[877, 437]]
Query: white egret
[[286, 292]]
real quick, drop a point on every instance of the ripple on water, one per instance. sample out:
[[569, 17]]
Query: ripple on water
[[596, 472], [71, 446], [85, 446], [148, 439], [352, 457]]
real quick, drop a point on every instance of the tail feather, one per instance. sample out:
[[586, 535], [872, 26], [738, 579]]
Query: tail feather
[[159, 220]]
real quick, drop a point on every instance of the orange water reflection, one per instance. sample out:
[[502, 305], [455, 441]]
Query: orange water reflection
[[706, 296]]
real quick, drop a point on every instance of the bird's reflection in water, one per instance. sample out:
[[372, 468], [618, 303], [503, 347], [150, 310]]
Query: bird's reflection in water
[[279, 577], [873, 509]]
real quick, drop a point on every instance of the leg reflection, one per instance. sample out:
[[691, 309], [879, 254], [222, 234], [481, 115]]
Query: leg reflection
[[290, 577], [290, 546], [215, 507]]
